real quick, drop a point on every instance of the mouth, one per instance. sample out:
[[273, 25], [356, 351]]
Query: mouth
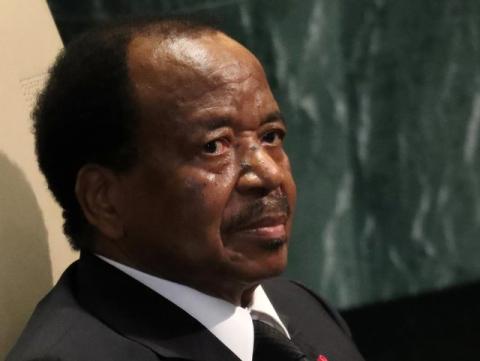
[[262, 222], [268, 231], [268, 226]]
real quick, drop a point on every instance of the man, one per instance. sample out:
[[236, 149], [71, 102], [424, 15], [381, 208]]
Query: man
[[163, 144]]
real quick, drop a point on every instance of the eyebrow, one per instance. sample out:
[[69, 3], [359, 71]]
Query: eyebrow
[[275, 116], [215, 123]]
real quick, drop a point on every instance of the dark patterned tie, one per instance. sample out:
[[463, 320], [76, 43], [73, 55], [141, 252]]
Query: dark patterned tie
[[272, 345]]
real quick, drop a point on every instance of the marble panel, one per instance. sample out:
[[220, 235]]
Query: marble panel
[[382, 100]]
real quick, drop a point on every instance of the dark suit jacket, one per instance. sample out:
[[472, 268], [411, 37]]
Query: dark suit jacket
[[96, 312]]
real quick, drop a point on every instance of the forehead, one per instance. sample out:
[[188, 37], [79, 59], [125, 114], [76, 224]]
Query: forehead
[[172, 72], [188, 56]]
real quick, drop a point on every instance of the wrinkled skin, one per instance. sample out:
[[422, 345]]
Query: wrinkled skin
[[210, 201]]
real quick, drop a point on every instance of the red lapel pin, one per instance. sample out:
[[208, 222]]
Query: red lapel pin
[[322, 358]]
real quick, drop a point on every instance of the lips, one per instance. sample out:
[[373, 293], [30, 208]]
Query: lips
[[265, 221], [267, 226]]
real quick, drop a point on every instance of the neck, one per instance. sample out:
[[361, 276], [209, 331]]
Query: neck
[[239, 294]]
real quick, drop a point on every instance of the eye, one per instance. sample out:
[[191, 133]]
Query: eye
[[274, 137], [215, 147]]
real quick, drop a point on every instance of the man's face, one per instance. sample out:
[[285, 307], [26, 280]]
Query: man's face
[[211, 199]]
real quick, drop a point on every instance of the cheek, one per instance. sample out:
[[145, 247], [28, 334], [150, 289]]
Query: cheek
[[206, 195]]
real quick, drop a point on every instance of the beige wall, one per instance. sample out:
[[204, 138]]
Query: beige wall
[[33, 250]]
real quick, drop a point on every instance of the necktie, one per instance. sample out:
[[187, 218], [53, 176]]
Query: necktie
[[272, 345]]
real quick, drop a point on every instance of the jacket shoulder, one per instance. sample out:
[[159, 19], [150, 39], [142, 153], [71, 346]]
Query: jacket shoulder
[[60, 329], [290, 294], [313, 324]]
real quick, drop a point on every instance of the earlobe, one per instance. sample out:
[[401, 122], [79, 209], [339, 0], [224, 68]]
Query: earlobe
[[97, 192]]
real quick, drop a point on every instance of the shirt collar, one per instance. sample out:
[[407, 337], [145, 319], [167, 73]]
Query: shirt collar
[[231, 324], [261, 304]]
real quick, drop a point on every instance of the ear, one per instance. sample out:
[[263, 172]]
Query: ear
[[97, 192]]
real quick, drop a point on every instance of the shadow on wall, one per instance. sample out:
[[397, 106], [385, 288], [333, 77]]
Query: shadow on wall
[[25, 269]]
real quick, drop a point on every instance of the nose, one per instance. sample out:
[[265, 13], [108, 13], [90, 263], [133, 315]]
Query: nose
[[259, 172]]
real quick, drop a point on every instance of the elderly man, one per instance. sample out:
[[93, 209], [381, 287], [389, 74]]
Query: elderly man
[[163, 144]]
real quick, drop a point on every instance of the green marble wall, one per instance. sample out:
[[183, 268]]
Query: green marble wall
[[383, 105]]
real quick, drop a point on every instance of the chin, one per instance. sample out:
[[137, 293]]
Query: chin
[[268, 267]]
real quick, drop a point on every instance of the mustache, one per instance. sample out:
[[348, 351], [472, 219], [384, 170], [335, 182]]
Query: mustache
[[272, 205]]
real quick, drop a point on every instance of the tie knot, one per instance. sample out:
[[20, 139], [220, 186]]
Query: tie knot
[[271, 344]]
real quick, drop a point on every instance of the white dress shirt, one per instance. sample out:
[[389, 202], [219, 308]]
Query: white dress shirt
[[231, 324]]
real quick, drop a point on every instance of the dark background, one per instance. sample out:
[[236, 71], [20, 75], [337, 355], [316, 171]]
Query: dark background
[[382, 100]]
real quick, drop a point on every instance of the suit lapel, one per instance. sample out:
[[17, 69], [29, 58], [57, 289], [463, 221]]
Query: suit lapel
[[297, 337], [310, 346], [140, 314]]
